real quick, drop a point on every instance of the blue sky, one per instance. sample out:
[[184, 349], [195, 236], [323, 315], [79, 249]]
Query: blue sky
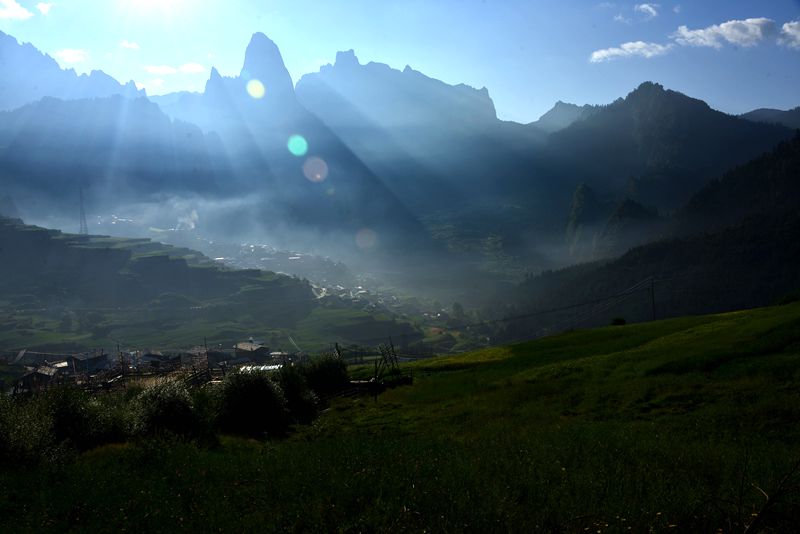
[[736, 55]]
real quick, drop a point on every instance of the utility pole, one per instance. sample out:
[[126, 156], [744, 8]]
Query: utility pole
[[84, 230]]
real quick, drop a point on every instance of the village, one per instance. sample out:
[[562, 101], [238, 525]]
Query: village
[[99, 370]]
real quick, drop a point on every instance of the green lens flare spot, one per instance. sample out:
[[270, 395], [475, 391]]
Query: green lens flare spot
[[297, 145]]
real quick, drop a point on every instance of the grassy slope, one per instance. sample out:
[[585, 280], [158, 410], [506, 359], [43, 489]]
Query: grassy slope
[[664, 425], [257, 305]]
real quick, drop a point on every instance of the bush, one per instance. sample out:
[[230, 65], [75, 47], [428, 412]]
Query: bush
[[205, 409], [110, 418], [55, 424], [252, 404], [326, 375], [618, 321], [300, 400], [164, 407], [71, 417], [25, 430]]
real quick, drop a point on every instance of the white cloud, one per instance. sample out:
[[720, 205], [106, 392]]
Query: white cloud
[[619, 17], [677, 8], [10, 9], [192, 68], [151, 86], [130, 45], [160, 69], [650, 11], [748, 32], [605, 5], [44, 7], [632, 49], [790, 34], [72, 55]]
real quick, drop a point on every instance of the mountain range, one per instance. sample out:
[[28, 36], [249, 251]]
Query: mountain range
[[367, 162], [789, 118], [733, 245], [28, 75]]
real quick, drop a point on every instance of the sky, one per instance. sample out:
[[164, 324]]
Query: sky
[[736, 55]]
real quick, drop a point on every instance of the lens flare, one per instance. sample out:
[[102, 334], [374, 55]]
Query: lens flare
[[315, 169], [297, 145], [366, 238], [256, 89]]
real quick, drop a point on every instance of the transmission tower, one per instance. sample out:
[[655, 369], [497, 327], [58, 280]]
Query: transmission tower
[[84, 227]]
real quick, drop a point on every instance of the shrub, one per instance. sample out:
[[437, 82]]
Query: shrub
[[300, 400], [252, 404], [164, 407], [71, 417], [326, 375], [205, 409], [25, 430], [110, 418], [618, 321]]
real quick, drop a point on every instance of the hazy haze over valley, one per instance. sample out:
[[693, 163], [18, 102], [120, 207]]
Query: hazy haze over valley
[[384, 184], [387, 170]]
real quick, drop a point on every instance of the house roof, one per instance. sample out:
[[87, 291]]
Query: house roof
[[256, 368], [248, 346], [43, 370]]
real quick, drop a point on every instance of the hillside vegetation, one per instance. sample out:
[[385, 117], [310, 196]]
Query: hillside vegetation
[[733, 246], [62, 291], [671, 426]]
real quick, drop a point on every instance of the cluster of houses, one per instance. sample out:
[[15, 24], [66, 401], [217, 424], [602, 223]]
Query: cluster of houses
[[43, 370]]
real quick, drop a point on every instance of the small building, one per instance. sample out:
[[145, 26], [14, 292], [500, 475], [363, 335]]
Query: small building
[[38, 379], [282, 357], [153, 360], [87, 364], [255, 352]]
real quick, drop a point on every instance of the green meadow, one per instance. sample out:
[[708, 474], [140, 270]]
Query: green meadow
[[682, 425]]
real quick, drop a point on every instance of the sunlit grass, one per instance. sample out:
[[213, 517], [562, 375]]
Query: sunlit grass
[[657, 427]]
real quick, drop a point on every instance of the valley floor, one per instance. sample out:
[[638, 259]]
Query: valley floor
[[680, 425]]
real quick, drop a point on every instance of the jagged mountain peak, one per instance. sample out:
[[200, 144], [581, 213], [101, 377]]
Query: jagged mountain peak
[[648, 90], [346, 58], [649, 86], [263, 62], [214, 82], [649, 93], [561, 115], [261, 46], [28, 74]]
